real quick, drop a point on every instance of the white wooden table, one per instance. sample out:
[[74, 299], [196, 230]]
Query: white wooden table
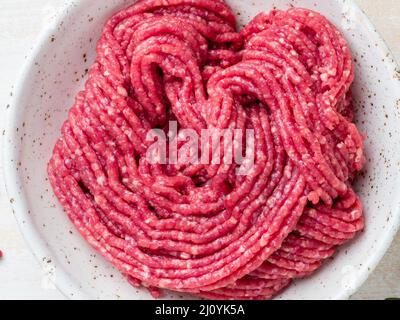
[[20, 23]]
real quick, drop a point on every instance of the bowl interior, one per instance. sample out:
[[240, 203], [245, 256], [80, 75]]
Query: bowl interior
[[57, 71]]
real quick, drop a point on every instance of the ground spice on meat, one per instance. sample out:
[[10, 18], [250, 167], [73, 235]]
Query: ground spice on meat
[[202, 229]]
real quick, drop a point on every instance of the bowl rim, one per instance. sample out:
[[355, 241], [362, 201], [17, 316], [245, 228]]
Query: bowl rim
[[70, 289]]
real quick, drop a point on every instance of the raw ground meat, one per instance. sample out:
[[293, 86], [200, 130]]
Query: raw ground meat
[[199, 228]]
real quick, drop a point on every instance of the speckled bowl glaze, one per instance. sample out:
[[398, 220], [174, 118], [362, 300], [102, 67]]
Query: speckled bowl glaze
[[56, 71]]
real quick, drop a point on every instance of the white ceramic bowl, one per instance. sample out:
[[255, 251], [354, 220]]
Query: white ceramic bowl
[[56, 71]]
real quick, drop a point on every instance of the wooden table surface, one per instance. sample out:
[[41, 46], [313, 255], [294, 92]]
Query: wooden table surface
[[20, 23]]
